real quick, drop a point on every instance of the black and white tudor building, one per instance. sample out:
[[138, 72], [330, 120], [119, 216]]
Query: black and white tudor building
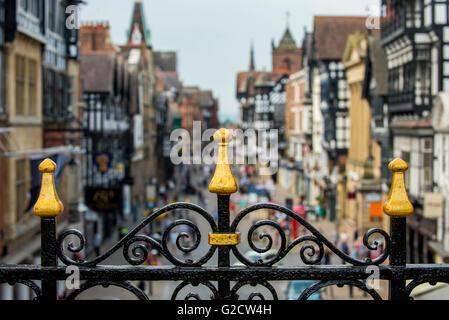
[[415, 37]]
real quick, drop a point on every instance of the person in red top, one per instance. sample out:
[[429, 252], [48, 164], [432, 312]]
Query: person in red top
[[300, 210], [232, 207]]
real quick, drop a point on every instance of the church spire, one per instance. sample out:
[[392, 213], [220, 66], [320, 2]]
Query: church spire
[[287, 42], [251, 58], [138, 33]]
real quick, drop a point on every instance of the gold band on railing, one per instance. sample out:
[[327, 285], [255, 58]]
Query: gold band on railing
[[224, 239], [398, 205], [48, 203], [223, 182]]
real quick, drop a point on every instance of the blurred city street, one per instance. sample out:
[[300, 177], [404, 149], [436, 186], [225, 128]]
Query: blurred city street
[[306, 141], [163, 290]]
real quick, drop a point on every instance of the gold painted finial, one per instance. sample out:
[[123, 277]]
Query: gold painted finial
[[398, 204], [223, 182], [48, 203]]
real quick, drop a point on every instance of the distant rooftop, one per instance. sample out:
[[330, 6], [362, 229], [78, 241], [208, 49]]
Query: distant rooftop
[[331, 33], [165, 61]]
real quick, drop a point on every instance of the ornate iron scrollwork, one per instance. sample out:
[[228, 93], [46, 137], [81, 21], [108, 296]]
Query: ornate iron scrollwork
[[30, 284], [128, 286], [134, 241], [253, 295], [308, 253], [192, 295], [417, 282], [340, 283]]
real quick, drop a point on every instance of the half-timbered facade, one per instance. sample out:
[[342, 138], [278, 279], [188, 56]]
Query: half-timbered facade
[[440, 195], [108, 140], [140, 60], [2, 62], [22, 54], [58, 82], [415, 37], [330, 35], [26, 43]]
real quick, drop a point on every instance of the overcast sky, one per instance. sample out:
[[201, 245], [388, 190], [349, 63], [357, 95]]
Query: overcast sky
[[213, 37]]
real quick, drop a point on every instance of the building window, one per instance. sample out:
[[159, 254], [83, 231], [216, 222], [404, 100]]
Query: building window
[[342, 132], [428, 157], [23, 4], [69, 95], [59, 95], [406, 157], [52, 15], [440, 13], [427, 165], [408, 77], [49, 93], [26, 86], [394, 80], [61, 22], [428, 13], [32, 88], [22, 184], [287, 64], [20, 85], [2, 89], [413, 13]]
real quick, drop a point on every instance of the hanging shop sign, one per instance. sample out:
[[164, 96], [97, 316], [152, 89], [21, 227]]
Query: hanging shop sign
[[103, 199], [102, 161], [375, 209]]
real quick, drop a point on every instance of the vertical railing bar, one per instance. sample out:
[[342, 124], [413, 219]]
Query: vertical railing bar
[[398, 256], [398, 207], [48, 255], [48, 207], [223, 185], [223, 251]]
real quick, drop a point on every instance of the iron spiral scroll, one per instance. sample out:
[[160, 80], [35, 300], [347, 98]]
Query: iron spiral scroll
[[136, 246], [309, 253]]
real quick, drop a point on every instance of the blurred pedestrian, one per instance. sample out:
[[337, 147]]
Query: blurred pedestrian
[[300, 210], [97, 243], [173, 237], [122, 232], [79, 257], [335, 236], [163, 193], [135, 208], [356, 234], [355, 256], [141, 285], [232, 207], [343, 246], [201, 198]]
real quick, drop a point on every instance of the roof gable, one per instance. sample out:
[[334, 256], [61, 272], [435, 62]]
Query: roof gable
[[331, 33], [138, 32], [287, 41]]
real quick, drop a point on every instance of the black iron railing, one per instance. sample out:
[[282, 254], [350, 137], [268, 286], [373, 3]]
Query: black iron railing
[[223, 280]]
